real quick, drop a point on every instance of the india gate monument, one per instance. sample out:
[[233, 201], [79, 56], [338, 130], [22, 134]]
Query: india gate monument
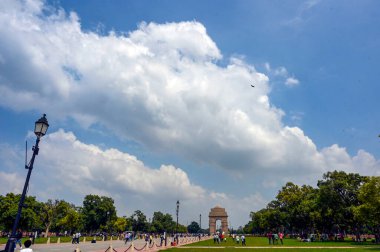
[[218, 213]]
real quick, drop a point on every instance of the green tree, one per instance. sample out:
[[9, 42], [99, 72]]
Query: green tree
[[157, 222], [368, 212], [70, 218], [139, 222], [193, 227], [120, 224], [52, 212], [163, 222], [337, 198], [29, 216], [259, 222], [181, 228], [298, 206], [98, 213]]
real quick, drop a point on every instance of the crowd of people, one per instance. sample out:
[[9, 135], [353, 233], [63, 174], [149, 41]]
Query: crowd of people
[[274, 238], [337, 237], [221, 237], [164, 238], [76, 238], [236, 239], [128, 236]]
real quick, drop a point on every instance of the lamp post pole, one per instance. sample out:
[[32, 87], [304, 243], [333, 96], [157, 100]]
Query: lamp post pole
[[40, 129], [177, 210], [108, 223], [200, 222]]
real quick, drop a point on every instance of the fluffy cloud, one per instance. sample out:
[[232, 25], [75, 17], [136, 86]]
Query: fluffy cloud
[[79, 165], [70, 169], [291, 82], [282, 72], [302, 14], [10, 182], [159, 86]]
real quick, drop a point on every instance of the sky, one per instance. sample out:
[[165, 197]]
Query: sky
[[150, 102]]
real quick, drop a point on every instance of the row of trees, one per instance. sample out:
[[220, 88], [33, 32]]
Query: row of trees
[[98, 214], [341, 203]]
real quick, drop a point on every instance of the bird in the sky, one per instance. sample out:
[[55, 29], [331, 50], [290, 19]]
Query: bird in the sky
[[252, 86]]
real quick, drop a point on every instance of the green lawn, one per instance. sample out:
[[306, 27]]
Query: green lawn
[[262, 241], [231, 249], [289, 245]]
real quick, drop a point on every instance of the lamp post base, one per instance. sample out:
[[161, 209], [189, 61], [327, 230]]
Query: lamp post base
[[11, 244]]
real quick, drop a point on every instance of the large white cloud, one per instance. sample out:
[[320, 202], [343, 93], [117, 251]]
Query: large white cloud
[[161, 86], [79, 165], [70, 169]]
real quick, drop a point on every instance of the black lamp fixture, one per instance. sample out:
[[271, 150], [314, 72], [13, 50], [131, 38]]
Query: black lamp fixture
[[40, 129], [41, 126]]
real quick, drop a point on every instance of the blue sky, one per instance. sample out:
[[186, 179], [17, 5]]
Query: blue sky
[[150, 101]]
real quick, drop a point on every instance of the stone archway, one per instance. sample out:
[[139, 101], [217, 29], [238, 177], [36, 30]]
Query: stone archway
[[218, 213]]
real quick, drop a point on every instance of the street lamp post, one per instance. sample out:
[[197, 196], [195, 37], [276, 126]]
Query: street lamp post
[[41, 126], [177, 210], [108, 223], [200, 222]]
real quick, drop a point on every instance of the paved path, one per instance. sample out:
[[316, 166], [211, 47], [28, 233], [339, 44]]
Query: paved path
[[101, 246], [84, 247]]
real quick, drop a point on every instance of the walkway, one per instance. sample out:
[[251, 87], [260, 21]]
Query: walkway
[[102, 246]]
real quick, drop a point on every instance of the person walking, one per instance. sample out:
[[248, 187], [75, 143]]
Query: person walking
[[78, 237], [161, 239], [243, 240], [281, 236], [126, 238], [18, 238], [150, 239], [270, 236], [73, 239], [275, 238]]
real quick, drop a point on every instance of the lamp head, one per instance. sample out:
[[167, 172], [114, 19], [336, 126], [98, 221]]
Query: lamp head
[[41, 126]]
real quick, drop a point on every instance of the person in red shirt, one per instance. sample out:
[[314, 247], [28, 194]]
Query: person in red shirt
[[281, 236]]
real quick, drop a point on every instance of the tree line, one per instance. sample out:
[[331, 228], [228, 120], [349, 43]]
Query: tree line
[[97, 214], [341, 203]]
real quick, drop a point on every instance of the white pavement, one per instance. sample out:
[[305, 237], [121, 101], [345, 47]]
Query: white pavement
[[102, 246]]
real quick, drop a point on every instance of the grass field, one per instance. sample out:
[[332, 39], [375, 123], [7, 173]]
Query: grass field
[[260, 244], [289, 249]]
